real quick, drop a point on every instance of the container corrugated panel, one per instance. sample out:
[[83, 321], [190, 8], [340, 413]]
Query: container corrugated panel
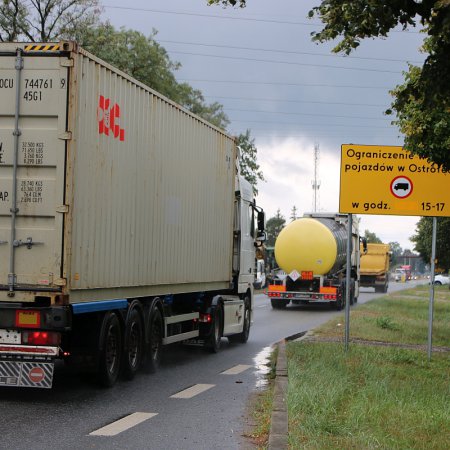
[[150, 191]]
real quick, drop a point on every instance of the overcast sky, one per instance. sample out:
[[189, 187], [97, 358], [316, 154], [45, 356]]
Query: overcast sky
[[260, 63]]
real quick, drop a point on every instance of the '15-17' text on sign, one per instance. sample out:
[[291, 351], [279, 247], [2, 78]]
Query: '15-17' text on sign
[[390, 180]]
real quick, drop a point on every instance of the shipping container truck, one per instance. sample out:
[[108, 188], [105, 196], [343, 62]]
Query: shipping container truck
[[375, 266], [124, 222], [312, 255]]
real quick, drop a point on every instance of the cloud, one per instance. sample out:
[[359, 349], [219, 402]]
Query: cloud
[[288, 167]]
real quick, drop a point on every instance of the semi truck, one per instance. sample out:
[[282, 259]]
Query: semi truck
[[375, 266], [311, 253], [125, 224]]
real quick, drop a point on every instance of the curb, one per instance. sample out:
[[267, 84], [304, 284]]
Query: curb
[[278, 435]]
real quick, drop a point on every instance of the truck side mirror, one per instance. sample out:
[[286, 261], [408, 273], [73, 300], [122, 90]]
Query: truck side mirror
[[261, 221]]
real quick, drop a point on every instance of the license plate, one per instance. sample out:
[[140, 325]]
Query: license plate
[[9, 337]]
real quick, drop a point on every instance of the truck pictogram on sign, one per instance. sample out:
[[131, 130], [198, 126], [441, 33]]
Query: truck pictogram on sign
[[401, 187]]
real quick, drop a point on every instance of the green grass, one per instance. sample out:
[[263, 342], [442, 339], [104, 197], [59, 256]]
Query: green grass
[[372, 397], [401, 317]]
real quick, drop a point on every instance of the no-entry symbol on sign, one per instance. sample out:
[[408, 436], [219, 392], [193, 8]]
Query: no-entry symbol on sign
[[401, 187]]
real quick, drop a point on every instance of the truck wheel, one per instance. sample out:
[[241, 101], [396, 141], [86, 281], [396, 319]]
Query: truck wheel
[[134, 344], [215, 339], [111, 350], [340, 299], [154, 345], [278, 304], [243, 336]]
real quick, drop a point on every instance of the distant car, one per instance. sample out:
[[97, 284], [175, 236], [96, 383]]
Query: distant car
[[441, 279]]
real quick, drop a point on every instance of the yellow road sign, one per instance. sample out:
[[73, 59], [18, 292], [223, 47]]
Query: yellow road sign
[[391, 181]]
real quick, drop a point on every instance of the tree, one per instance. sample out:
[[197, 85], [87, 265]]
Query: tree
[[273, 228], [423, 236], [396, 251], [240, 3], [293, 215], [46, 20], [422, 103], [372, 237], [248, 161]]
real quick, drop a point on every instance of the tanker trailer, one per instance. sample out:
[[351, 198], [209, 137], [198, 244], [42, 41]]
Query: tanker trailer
[[312, 255]]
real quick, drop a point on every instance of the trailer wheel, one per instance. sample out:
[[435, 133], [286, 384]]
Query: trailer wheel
[[340, 298], [134, 343], [243, 336], [215, 339], [111, 350], [155, 337], [279, 304]]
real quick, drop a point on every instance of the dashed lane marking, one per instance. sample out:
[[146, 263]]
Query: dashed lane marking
[[193, 391], [236, 369], [123, 424]]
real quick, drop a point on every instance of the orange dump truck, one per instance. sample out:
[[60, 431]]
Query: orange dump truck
[[375, 266]]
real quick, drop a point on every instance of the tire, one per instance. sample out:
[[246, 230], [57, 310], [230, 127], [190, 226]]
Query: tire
[[339, 305], [133, 351], [438, 283], [278, 304], [214, 341], [109, 358], [155, 339], [243, 336]]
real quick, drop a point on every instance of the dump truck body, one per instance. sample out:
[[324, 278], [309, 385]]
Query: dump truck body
[[375, 266]]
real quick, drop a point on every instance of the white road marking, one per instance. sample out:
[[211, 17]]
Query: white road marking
[[123, 424], [236, 369], [193, 391]]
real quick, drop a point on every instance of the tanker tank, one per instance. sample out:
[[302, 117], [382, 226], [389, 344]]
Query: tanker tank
[[316, 244]]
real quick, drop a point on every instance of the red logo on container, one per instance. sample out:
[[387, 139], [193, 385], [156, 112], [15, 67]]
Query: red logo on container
[[36, 375], [107, 116]]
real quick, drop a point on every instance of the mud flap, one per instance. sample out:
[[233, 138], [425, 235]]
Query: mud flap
[[26, 374]]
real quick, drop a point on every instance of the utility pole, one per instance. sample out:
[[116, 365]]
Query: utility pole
[[316, 183]]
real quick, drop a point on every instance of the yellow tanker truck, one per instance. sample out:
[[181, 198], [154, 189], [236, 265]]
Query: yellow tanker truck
[[312, 255]]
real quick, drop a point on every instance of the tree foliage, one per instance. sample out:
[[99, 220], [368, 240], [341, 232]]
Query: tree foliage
[[46, 20], [293, 215], [273, 228], [240, 3], [422, 103], [248, 160], [372, 237], [423, 237]]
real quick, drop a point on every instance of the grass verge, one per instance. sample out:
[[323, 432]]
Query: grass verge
[[369, 398], [373, 397]]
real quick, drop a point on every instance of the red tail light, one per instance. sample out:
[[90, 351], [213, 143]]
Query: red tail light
[[205, 318], [41, 338]]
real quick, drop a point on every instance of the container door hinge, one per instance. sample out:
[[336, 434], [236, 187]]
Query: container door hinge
[[66, 62], [63, 209], [60, 282], [66, 136]]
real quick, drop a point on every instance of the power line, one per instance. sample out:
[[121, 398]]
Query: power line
[[275, 83], [293, 101], [305, 114], [310, 124], [290, 63], [289, 52], [224, 17]]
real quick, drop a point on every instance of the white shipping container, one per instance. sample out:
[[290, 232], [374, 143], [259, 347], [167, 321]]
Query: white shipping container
[[121, 193]]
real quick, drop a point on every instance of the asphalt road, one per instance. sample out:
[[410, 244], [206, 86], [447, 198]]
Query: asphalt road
[[155, 411]]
